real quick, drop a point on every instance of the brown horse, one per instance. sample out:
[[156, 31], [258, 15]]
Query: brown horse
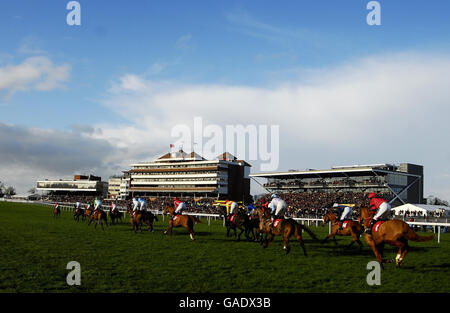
[[56, 212], [353, 228], [115, 215], [139, 217], [187, 221], [99, 217], [78, 212], [240, 221], [393, 232], [285, 228], [88, 213]]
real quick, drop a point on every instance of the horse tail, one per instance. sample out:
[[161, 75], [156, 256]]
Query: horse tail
[[313, 236], [411, 235]]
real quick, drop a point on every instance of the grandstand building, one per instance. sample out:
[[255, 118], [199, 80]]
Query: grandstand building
[[403, 183], [80, 186], [182, 174]]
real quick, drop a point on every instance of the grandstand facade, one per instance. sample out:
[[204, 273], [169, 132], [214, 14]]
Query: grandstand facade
[[401, 183], [80, 185], [182, 174]]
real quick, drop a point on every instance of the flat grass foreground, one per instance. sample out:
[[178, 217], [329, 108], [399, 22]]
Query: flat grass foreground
[[35, 249]]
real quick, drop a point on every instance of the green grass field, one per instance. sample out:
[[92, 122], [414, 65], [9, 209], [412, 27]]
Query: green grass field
[[35, 249]]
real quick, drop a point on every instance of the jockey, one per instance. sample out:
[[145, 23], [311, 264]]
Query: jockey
[[344, 212], [232, 207], [97, 204], [77, 205], [88, 206], [179, 206], [56, 206], [113, 206], [135, 204], [250, 209], [383, 210], [278, 207], [142, 204]]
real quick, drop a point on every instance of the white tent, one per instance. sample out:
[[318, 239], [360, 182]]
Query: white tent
[[421, 209]]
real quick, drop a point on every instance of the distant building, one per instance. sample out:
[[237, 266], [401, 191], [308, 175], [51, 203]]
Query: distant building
[[404, 182], [114, 187], [119, 187], [80, 185], [183, 174]]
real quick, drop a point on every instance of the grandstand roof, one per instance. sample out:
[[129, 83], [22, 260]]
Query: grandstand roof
[[334, 172]]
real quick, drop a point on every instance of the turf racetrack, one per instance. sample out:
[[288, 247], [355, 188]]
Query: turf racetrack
[[35, 249]]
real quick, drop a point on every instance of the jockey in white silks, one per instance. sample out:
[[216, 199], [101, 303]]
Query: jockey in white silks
[[97, 204], [78, 205], [278, 207], [135, 204], [142, 204]]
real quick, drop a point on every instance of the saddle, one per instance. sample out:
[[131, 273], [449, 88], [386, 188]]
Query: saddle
[[231, 218], [175, 216], [344, 223], [377, 225], [276, 222]]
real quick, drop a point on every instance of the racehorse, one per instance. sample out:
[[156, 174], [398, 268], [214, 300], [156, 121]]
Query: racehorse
[[353, 228], [56, 212], [139, 217], [240, 221], [99, 216], [187, 221], [88, 213], [115, 215], [393, 232], [78, 212], [285, 228]]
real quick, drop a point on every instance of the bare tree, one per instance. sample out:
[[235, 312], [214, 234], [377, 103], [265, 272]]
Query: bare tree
[[32, 190], [10, 191], [436, 201]]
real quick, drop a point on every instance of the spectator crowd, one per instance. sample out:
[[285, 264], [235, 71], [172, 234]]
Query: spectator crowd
[[305, 204]]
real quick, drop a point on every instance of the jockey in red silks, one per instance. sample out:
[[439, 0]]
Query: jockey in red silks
[[179, 206], [380, 206]]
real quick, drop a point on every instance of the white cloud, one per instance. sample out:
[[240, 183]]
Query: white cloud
[[183, 41], [376, 109], [34, 73], [388, 108]]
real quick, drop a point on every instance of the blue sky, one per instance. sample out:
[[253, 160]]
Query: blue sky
[[232, 42], [255, 45]]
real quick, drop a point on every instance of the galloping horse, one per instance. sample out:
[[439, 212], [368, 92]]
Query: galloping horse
[[99, 217], [285, 228], [88, 213], [353, 228], [240, 221], [56, 211], [78, 212], [115, 215], [139, 217], [393, 232], [187, 221]]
